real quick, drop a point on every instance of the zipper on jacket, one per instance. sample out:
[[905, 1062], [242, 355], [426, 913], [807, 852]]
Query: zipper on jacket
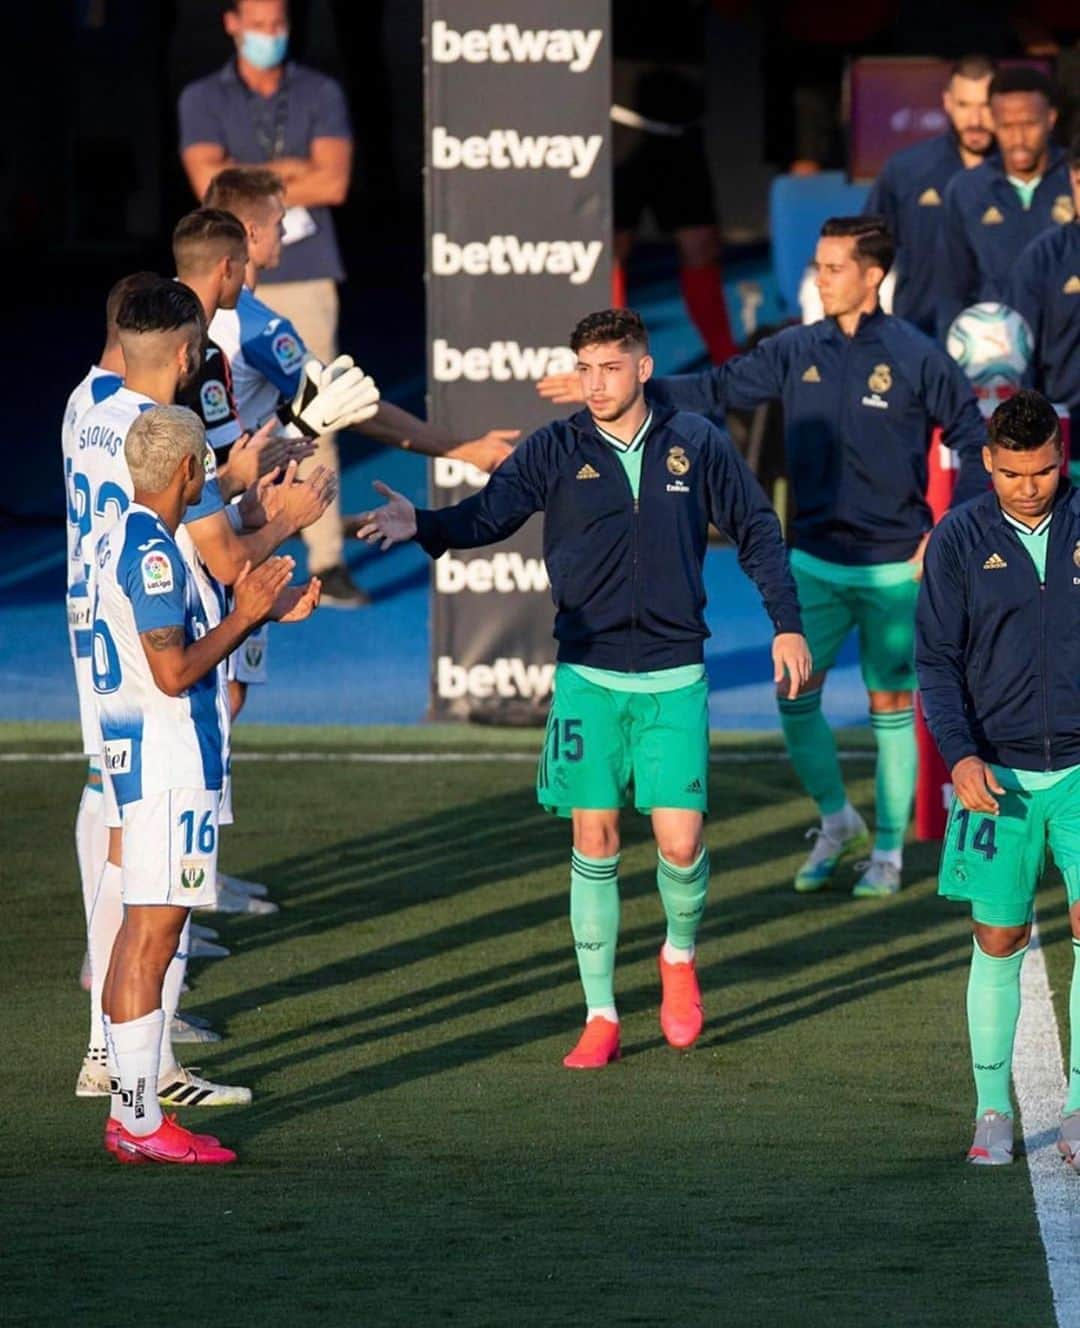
[[634, 579], [1042, 670]]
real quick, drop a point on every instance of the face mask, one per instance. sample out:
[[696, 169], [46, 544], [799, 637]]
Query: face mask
[[263, 50]]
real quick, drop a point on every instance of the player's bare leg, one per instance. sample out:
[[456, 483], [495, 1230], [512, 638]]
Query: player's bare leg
[[594, 920], [682, 877]]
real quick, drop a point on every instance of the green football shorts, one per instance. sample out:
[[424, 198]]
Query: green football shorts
[[996, 862], [600, 740], [884, 617]]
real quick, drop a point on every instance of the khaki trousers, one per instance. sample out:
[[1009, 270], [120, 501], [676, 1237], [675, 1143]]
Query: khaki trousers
[[312, 308]]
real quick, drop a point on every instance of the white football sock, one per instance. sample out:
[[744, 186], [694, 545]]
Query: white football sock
[[137, 1043], [106, 915], [838, 824], [673, 955], [91, 843], [893, 856], [602, 1012], [170, 997], [113, 1068]]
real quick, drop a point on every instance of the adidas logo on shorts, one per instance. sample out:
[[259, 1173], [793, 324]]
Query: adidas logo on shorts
[[694, 786], [994, 563], [588, 473]]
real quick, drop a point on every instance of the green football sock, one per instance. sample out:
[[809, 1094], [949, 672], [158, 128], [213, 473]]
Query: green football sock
[[993, 1007], [812, 749], [894, 782], [594, 920], [1072, 1102], [682, 893]]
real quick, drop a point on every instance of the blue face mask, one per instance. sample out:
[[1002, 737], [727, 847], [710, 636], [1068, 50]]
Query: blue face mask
[[263, 50]]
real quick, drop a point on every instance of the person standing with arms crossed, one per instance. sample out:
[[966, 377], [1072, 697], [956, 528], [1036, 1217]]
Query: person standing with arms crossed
[[261, 109], [998, 658], [627, 491]]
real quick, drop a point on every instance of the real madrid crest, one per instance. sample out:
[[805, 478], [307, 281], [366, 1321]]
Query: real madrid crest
[[1063, 211], [881, 379], [678, 463], [1076, 554]]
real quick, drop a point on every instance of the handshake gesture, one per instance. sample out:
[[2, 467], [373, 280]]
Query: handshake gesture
[[332, 396]]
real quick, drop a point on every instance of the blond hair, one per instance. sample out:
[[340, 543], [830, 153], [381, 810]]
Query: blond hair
[[158, 441]]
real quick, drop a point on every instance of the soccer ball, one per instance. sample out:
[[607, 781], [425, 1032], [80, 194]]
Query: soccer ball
[[992, 344]]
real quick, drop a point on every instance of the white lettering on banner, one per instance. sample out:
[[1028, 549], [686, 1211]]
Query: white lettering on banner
[[947, 458], [508, 255], [503, 677], [506, 149], [449, 474], [501, 361], [505, 43], [504, 573]]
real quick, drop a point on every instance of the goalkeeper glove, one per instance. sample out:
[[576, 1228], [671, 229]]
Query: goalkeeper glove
[[331, 397]]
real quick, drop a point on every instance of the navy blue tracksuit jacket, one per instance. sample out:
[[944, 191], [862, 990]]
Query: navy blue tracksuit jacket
[[858, 414], [998, 655], [625, 574], [910, 194], [1045, 287], [985, 227]]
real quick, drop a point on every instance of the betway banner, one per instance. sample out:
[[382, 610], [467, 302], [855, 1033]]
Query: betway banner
[[518, 194]]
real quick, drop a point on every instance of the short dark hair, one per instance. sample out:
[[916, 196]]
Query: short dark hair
[[975, 65], [237, 189], [204, 237], [1024, 423], [623, 326], [874, 244], [115, 298], [1022, 78], [164, 306]]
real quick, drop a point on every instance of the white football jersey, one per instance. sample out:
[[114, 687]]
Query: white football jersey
[[265, 355], [95, 387], [101, 478], [151, 742]]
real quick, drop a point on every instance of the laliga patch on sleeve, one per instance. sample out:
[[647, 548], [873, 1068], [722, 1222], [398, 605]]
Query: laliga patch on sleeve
[[210, 463], [214, 401], [287, 351], [157, 574]]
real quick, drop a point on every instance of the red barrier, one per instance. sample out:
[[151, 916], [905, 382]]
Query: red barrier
[[933, 792]]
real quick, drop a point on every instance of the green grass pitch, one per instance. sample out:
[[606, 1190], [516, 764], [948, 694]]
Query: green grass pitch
[[416, 1154]]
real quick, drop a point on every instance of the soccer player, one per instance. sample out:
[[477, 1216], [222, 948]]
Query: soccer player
[[627, 491], [993, 211], [910, 190], [101, 381], [160, 329], [267, 355], [1044, 286], [861, 393], [998, 659], [155, 676]]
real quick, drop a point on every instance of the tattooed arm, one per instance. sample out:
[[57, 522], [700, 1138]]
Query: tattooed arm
[[176, 666]]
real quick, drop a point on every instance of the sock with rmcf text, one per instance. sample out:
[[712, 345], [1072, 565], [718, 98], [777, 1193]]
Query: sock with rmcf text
[[594, 921], [993, 1008]]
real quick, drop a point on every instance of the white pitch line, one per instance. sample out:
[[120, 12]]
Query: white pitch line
[[1039, 1079], [410, 758]]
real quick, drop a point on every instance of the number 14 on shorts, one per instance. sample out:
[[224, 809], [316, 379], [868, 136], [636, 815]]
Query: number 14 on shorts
[[983, 837]]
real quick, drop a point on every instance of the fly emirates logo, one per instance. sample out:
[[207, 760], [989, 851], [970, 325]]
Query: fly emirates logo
[[506, 43], [510, 256]]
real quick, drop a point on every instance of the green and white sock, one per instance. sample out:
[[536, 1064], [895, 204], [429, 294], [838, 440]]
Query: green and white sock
[[594, 921], [894, 781], [682, 893], [993, 1008], [812, 749], [1072, 1102]]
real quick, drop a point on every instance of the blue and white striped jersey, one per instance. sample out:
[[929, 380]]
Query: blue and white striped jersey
[[265, 354], [103, 487], [150, 742], [96, 386]]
